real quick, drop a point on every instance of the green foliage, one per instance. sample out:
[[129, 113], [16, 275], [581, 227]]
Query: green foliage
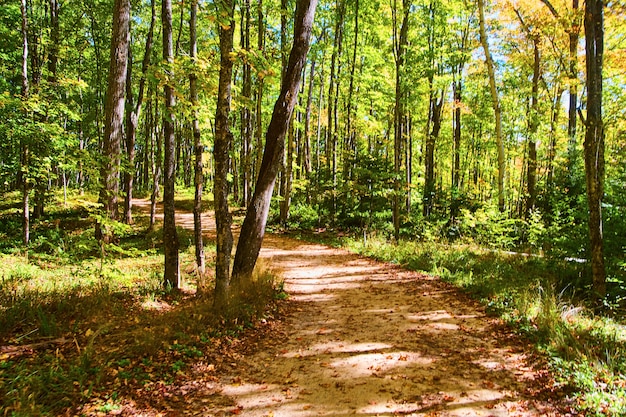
[[73, 309]]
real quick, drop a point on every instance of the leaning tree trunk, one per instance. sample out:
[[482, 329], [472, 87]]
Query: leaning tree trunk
[[253, 229], [171, 278], [222, 144], [594, 139]]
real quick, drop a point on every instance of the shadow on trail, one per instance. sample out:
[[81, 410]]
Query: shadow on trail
[[368, 338]]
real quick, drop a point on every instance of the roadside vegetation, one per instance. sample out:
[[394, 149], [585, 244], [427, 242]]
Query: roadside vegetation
[[82, 324], [533, 274]]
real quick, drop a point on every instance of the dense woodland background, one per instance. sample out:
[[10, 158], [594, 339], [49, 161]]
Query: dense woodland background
[[426, 130], [406, 126]]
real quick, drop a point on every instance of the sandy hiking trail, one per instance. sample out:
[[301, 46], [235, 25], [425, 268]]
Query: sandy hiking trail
[[368, 338]]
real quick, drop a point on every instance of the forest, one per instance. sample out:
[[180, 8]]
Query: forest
[[482, 142]]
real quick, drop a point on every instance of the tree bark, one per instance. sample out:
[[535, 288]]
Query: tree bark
[[253, 228], [533, 125], [333, 92], [259, 91], [496, 104], [222, 145], [24, 146], [114, 113], [246, 113], [171, 278], [198, 150], [132, 119], [594, 139], [400, 43], [436, 108]]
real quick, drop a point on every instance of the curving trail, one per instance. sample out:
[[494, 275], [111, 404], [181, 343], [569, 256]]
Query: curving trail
[[369, 339]]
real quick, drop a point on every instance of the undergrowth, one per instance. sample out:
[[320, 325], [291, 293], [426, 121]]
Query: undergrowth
[[79, 328], [539, 297]]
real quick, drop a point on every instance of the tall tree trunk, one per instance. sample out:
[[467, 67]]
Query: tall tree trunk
[[350, 136], [436, 107], [333, 92], [573, 34], [286, 169], [253, 228], [594, 138], [400, 43], [556, 106], [285, 204], [171, 278], [23, 174], [157, 163], [259, 91], [246, 114], [132, 118], [198, 150], [222, 145], [306, 158], [533, 125], [497, 110], [456, 145], [114, 113]]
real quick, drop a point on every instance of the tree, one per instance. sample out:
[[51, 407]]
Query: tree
[[132, 117], [114, 111], [198, 150], [171, 278], [400, 39], [497, 110], [24, 146], [222, 145], [594, 138], [253, 228]]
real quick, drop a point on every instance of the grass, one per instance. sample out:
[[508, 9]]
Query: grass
[[538, 297], [78, 329]]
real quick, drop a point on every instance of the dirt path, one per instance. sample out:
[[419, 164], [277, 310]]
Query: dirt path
[[367, 338]]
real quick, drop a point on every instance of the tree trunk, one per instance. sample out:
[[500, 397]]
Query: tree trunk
[[333, 92], [132, 118], [114, 113], [496, 103], [456, 153], [574, 34], [246, 114], [594, 139], [253, 228], [23, 174], [222, 145], [157, 165], [400, 43], [171, 278], [350, 136], [259, 92], [533, 125], [198, 150], [436, 107]]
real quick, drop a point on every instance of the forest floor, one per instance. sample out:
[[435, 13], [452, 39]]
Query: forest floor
[[360, 337]]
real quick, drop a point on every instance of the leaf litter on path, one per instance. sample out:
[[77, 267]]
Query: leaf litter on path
[[368, 338]]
